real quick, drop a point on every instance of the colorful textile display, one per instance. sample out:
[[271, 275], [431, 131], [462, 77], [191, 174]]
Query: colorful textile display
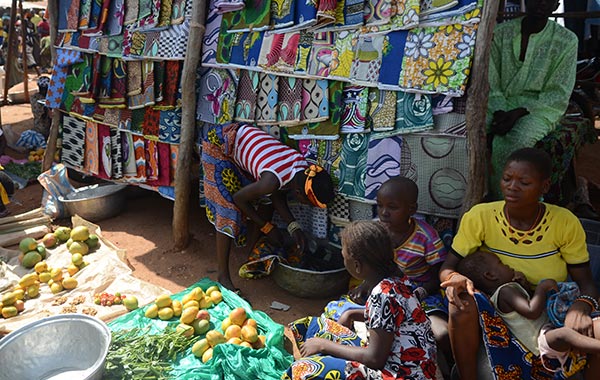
[[267, 99], [73, 141], [128, 156], [170, 126], [115, 154], [290, 99], [217, 96], [355, 100], [384, 161], [353, 165], [254, 16], [105, 152], [210, 39], [91, 164], [382, 110]]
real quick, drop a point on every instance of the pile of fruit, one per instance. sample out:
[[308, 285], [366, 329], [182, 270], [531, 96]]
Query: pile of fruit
[[237, 329], [36, 155], [31, 252], [188, 308], [108, 299]]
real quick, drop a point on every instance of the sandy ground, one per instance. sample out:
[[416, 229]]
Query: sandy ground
[[143, 229]]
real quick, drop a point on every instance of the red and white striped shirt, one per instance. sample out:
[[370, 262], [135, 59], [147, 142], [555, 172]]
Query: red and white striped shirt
[[256, 152]]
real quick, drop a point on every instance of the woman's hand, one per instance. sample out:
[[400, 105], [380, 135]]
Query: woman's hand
[[578, 318], [455, 285], [300, 239], [504, 121], [275, 237], [314, 346]]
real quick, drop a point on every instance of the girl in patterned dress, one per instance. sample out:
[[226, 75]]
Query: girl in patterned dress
[[400, 342]]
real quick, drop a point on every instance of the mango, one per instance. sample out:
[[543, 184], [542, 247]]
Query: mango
[[251, 322], [246, 344], [165, 313], [19, 294], [197, 293], [56, 274], [177, 308], [216, 297], [9, 311], [93, 241], [27, 244], [79, 247], [201, 326], [163, 300], [236, 341], [40, 267], [31, 258], [206, 303], [260, 342], [152, 311], [186, 298], [130, 303], [208, 354], [77, 259], [188, 315], [69, 242], [192, 303], [49, 240], [19, 305], [45, 277], [56, 287], [72, 269], [225, 323], [200, 347], [80, 233], [249, 334], [237, 316], [34, 291], [233, 331], [41, 250], [211, 289], [214, 338], [8, 299], [28, 279], [69, 283], [62, 233]]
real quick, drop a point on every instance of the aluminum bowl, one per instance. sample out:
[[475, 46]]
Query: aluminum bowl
[[306, 283], [69, 346], [96, 202]]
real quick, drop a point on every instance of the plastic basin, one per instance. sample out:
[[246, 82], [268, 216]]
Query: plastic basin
[[70, 346]]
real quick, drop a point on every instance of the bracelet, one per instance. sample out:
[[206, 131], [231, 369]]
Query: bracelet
[[266, 228], [589, 300], [449, 277], [293, 227]]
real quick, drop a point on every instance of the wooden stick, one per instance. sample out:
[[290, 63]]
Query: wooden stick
[[15, 237], [36, 213], [476, 113], [180, 224], [23, 224], [53, 134]]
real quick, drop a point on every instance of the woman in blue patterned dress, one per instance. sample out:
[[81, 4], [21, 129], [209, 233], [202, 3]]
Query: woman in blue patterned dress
[[400, 342]]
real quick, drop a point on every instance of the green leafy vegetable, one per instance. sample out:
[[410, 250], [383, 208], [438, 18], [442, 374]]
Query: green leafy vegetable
[[28, 170], [136, 355]]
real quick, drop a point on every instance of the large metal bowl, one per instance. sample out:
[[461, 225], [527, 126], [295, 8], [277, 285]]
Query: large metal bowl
[[70, 346], [96, 202], [306, 283]]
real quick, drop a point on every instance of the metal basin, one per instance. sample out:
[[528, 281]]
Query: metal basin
[[96, 202], [306, 283], [70, 346]]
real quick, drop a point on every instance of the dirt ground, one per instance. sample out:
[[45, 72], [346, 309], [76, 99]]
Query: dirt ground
[[143, 229]]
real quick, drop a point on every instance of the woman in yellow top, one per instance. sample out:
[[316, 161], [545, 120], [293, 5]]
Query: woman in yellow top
[[541, 240]]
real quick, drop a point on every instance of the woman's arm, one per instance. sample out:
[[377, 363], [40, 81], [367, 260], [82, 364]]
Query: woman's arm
[[348, 317], [578, 317], [279, 199], [454, 282], [374, 356]]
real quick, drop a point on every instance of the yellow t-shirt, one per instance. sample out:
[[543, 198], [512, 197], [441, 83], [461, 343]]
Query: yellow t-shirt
[[542, 252]]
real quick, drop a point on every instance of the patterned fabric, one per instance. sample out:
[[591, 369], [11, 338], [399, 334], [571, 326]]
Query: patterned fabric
[[64, 58], [305, 14], [509, 357], [152, 167], [321, 54], [438, 59], [173, 41], [367, 60], [224, 6], [391, 307], [115, 154], [104, 149], [91, 164], [338, 210], [559, 302], [73, 142], [255, 16], [164, 18], [384, 161], [170, 126], [210, 39], [222, 178], [85, 8], [178, 11], [128, 156], [139, 146], [134, 78], [245, 49], [150, 128], [382, 110], [290, 100], [217, 96], [355, 100], [413, 114], [171, 94], [164, 166], [438, 165], [326, 129], [282, 13], [114, 22], [342, 54], [389, 73], [131, 11], [353, 165], [279, 51], [315, 101], [267, 99], [245, 106]]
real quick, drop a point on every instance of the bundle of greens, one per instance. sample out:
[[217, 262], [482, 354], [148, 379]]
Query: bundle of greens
[[135, 354], [28, 170]]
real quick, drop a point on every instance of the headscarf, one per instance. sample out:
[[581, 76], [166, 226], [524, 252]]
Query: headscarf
[[311, 172]]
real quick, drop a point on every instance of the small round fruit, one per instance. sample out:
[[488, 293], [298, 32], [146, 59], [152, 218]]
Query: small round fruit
[[249, 334], [185, 330], [130, 303], [69, 242], [163, 300], [40, 267], [200, 347], [93, 241], [80, 233], [237, 316], [77, 259], [56, 287], [211, 289], [69, 283], [152, 311], [79, 247], [41, 250], [27, 244], [33, 291], [165, 313], [207, 355], [233, 331], [216, 297], [201, 326], [31, 258], [49, 240], [45, 277]]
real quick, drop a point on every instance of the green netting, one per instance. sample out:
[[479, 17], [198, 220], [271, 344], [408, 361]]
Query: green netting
[[229, 362]]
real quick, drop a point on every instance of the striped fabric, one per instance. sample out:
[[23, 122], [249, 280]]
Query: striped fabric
[[257, 151]]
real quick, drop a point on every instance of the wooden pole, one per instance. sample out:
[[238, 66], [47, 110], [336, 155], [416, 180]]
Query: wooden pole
[[24, 52], [10, 55], [53, 134], [477, 107], [181, 207]]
